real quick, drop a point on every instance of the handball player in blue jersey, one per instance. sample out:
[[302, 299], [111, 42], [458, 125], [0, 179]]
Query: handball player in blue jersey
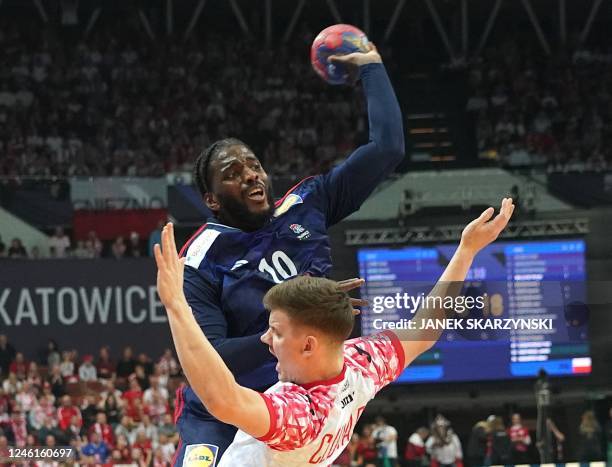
[[253, 243]]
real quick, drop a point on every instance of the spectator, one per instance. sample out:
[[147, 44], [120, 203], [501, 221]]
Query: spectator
[[17, 250], [49, 428], [478, 444], [111, 390], [56, 380], [96, 451], [168, 364], [67, 365], [124, 454], [87, 371], [502, 448], [127, 429], [144, 444], [367, 447], [103, 429], [519, 436], [148, 429], [19, 366], [111, 409], [7, 355], [18, 427], [26, 398], [154, 390], [82, 251], [11, 385], [93, 245], [134, 247], [141, 376], [118, 248], [167, 447], [139, 458], [443, 445], [168, 428], [59, 243], [589, 432], [386, 442], [147, 365], [33, 377], [66, 412], [415, 454], [75, 428], [51, 355], [125, 365], [89, 410], [104, 366]]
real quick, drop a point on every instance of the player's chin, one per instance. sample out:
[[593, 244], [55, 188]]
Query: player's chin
[[258, 207]]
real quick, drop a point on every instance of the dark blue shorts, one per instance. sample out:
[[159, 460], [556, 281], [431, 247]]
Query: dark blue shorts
[[203, 439]]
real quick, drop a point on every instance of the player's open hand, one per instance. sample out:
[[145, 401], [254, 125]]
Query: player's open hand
[[351, 284], [358, 58], [169, 271], [482, 231]]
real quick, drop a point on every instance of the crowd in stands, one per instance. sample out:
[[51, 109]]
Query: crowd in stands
[[60, 246], [120, 104], [553, 112], [120, 412], [110, 412]]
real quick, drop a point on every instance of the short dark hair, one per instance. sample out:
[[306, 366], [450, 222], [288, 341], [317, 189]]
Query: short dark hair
[[200, 168], [316, 302]]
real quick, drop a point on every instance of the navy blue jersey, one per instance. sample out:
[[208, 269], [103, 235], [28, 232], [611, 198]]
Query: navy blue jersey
[[228, 271]]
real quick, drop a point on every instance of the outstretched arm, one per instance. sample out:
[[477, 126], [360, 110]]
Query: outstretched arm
[[477, 234], [206, 372], [349, 184]]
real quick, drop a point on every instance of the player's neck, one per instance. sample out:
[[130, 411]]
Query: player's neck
[[326, 368]]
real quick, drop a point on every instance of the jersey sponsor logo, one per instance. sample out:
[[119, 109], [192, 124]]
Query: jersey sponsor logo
[[347, 400], [200, 246], [300, 231], [288, 203], [200, 455]]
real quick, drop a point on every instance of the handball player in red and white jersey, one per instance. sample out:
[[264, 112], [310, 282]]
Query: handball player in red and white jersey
[[325, 382]]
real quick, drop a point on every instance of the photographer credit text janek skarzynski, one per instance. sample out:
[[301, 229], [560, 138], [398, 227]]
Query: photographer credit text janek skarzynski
[[458, 304]]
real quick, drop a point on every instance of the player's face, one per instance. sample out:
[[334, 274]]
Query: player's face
[[242, 193], [286, 342]]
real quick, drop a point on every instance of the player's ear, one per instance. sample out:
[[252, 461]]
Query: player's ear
[[310, 345], [211, 201]]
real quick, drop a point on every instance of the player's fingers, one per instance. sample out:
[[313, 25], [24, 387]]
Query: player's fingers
[[359, 302], [485, 216], [165, 245], [159, 258], [341, 58], [173, 252], [356, 312], [350, 284]]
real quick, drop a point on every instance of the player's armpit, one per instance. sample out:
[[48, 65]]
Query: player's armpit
[[245, 409]]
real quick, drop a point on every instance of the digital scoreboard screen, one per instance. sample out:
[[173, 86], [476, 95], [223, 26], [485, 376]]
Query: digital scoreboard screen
[[528, 281]]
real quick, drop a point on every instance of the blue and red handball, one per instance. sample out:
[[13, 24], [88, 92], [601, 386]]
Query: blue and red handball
[[339, 39]]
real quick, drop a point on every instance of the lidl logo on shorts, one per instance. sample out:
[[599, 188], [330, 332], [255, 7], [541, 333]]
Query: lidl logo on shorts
[[200, 455]]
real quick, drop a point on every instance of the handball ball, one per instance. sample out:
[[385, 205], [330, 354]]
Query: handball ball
[[339, 39]]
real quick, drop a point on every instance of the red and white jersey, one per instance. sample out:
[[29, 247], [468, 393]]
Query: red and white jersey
[[311, 424]]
